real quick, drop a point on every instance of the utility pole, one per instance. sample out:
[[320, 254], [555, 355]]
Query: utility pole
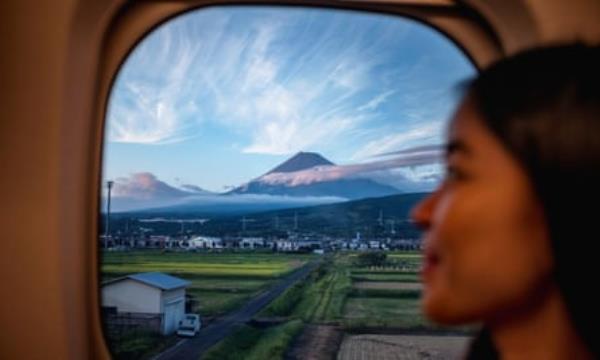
[[244, 221], [109, 184]]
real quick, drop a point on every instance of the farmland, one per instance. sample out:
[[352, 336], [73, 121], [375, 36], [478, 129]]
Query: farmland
[[363, 302], [342, 293], [219, 281], [343, 296]]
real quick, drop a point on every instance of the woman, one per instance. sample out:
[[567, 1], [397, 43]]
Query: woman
[[508, 242]]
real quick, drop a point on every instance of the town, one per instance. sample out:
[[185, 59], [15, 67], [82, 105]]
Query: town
[[295, 243], [290, 241]]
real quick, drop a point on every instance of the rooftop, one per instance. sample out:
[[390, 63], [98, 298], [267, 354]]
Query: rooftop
[[155, 279]]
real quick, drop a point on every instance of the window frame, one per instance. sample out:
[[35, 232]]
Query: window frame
[[131, 23]]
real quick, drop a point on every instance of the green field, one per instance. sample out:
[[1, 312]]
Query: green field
[[220, 281], [329, 296], [337, 292], [383, 312], [405, 277]]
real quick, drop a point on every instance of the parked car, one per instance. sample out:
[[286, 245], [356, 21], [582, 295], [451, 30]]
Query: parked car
[[190, 325]]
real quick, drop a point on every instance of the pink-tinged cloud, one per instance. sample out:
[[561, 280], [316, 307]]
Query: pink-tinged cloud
[[145, 185], [409, 157]]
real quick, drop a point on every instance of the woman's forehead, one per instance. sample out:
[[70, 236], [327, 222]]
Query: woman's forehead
[[468, 136]]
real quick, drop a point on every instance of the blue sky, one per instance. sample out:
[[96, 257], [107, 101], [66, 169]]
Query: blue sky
[[219, 96]]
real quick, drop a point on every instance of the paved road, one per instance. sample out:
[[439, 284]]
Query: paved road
[[219, 329]]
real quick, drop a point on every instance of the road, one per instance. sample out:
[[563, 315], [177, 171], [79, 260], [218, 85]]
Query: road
[[219, 329]]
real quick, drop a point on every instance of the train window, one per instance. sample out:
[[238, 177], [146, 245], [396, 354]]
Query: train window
[[259, 166]]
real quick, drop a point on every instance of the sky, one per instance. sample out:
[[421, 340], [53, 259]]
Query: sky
[[219, 96]]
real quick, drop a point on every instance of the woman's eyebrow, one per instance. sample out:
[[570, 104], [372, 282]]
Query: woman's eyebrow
[[457, 146]]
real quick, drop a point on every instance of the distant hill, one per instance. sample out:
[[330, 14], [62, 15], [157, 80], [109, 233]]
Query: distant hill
[[371, 217], [220, 205], [374, 217]]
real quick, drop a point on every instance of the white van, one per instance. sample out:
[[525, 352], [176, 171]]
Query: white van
[[190, 325]]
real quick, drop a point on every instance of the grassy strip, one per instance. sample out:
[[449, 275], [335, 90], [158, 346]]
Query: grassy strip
[[202, 277], [383, 271], [205, 270], [145, 256], [256, 344], [323, 298], [385, 293], [384, 312], [387, 278], [217, 265], [137, 344], [286, 302], [214, 303]]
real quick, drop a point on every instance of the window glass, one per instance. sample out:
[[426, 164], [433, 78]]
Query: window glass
[[259, 166]]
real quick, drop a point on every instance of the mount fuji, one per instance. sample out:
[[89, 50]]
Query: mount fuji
[[301, 175]]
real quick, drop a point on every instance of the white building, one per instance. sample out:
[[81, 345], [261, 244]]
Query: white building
[[374, 244], [252, 242], [286, 245], [205, 242], [148, 293]]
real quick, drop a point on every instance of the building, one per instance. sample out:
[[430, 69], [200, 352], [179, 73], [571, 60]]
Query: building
[[286, 245], [374, 244], [252, 242], [158, 241], [145, 294], [205, 242]]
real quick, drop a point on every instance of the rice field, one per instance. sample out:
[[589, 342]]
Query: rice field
[[220, 282]]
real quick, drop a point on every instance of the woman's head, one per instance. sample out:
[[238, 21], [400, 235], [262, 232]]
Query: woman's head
[[484, 229], [508, 223]]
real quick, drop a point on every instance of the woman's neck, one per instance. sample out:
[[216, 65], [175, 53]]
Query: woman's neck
[[543, 330]]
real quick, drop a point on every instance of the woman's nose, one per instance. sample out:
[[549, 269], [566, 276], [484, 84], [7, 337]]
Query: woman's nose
[[421, 213]]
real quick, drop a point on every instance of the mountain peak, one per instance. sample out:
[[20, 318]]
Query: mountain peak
[[301, 161]]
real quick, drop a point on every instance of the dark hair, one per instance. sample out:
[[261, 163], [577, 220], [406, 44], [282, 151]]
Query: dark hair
[[544, 107]]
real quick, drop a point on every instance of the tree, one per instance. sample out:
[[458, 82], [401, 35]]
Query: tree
[[374, 258]]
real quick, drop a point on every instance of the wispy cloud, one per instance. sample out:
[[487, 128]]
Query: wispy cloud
[[421, 133], [151, 102], [273, 81], [283, 96], [417, 149], [376, 101]]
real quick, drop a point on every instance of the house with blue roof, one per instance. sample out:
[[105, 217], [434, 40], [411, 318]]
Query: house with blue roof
[[151, 293]]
